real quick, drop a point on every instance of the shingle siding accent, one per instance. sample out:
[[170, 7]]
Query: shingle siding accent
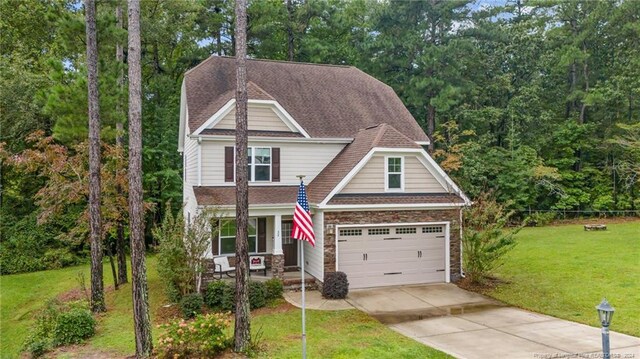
[[374, 217]]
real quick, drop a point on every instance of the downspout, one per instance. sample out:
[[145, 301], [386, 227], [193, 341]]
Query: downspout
[[461, 236]]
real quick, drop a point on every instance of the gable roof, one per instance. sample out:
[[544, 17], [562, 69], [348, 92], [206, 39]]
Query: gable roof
[[383, 135], [326, 100]]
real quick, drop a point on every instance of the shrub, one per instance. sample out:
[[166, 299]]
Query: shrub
[[38, 347], [203, 337], [274, 288], [220, 296], [485, 239], [336, 285], [257, 295], [540, 219], [74, 326], [191, 305]]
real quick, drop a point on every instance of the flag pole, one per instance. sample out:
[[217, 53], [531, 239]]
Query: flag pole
[[304, 333]]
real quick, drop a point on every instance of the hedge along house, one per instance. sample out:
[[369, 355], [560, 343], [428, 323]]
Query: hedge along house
[[383, 211]]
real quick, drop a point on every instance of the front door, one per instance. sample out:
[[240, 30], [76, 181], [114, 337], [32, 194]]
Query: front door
[[289, 245]]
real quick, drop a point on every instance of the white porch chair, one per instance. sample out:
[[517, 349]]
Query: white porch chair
[[257, 263], [222, 266]]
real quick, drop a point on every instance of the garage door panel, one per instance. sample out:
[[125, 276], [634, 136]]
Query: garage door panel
[[392, 255]]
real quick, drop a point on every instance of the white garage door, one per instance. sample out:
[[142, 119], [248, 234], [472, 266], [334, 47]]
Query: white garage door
[[392, 255]]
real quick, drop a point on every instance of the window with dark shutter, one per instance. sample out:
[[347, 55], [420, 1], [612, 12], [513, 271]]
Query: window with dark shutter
[[228, 164], [275, 163]]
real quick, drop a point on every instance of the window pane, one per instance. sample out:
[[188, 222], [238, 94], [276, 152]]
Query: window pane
[[227, 245], [394, 180], [228, 228], [249, 177], [252, 244], [263, 173], [395, 164], [252, 226], [263, 155], [249, 155]]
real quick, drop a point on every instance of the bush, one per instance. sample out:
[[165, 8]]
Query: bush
[[73, 327], [275, 288], [257, 295], [485, 239], [336, 285], [204, 337], [191, 305], [59, 258], [38, 347], [539, 219], [220, 296]]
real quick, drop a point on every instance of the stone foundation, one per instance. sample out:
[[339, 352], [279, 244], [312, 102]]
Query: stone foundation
[[408, 216]]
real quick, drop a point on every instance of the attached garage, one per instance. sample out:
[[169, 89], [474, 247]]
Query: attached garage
[[393, 254]]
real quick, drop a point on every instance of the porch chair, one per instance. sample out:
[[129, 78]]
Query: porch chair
[[222, 266], [257, 263]]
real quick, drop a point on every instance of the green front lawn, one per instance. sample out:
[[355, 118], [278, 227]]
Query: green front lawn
[[344, 334], [565, 272]]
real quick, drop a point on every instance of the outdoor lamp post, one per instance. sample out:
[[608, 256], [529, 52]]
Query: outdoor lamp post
[[605, 312]]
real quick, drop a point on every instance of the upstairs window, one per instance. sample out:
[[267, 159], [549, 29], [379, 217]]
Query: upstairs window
[[394, 180], [259, 160]]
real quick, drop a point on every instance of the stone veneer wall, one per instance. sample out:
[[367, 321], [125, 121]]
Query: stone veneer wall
[[373, 217]]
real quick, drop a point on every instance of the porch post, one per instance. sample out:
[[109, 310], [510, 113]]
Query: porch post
[[277, 234], [277, 262]]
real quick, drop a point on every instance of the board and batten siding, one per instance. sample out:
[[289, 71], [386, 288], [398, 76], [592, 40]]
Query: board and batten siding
[[370, 179], [295, 158], [260, 118], [314, 256]]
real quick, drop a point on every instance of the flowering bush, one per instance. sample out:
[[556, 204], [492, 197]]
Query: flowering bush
[[203, 336]]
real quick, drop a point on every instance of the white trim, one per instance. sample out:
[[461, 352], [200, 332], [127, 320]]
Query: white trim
[[184, 117], [321, 140], [278, 109], [447, 240], [321, 213], [216, 117], [386, 174], [423, 143], [199, 144], [396, 206]]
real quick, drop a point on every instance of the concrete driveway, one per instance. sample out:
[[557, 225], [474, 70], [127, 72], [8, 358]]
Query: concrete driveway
[[469, 325]]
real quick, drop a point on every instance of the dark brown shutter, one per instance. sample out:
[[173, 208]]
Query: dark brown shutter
[[262, 235], [228, 164], [275, 164], [214, 242]]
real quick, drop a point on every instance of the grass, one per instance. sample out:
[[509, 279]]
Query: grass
[[343, 334], [565, 272]]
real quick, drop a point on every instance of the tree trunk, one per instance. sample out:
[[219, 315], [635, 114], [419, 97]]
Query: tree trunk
[[585, 72], [242, 332], [120, 240], [431, 125], [95, 222], [142, 322], [290, 34], [112, 263]]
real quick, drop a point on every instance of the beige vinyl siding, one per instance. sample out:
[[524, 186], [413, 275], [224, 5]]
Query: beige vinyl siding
[[314, 263], [417, 178], [295, 158], [259, 118], [191, 160]]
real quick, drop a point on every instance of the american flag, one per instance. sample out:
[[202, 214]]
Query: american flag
[[302, 225]]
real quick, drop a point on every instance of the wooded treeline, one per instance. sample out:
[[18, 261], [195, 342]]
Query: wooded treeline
[[538, 101]]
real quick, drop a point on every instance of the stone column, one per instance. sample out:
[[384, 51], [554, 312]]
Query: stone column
[[277, 261]]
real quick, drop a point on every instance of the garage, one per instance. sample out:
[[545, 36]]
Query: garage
[[383, 255]]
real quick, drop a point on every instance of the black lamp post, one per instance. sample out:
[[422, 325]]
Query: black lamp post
[[605, 312]]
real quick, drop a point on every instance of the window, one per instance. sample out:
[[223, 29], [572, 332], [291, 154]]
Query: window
[[406, 230], [433, 229], [259, 160], [351, 232], [228, 236], [378, 231], [394, 180]]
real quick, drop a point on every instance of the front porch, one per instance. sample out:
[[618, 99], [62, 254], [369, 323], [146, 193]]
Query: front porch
[[269, 238]]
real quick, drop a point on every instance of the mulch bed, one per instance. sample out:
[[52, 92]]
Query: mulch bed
[[488, 285]]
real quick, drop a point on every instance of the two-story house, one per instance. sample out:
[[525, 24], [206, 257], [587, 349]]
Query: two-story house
[[383, 210]]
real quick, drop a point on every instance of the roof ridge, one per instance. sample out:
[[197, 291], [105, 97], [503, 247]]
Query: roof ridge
[[260, 89], [379, 135], [269, 60]]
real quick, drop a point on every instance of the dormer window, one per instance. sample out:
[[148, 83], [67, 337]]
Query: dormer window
[[259, 161], [394, 174]]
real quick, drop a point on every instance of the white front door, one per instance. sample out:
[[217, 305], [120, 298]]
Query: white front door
[[374, 256]]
